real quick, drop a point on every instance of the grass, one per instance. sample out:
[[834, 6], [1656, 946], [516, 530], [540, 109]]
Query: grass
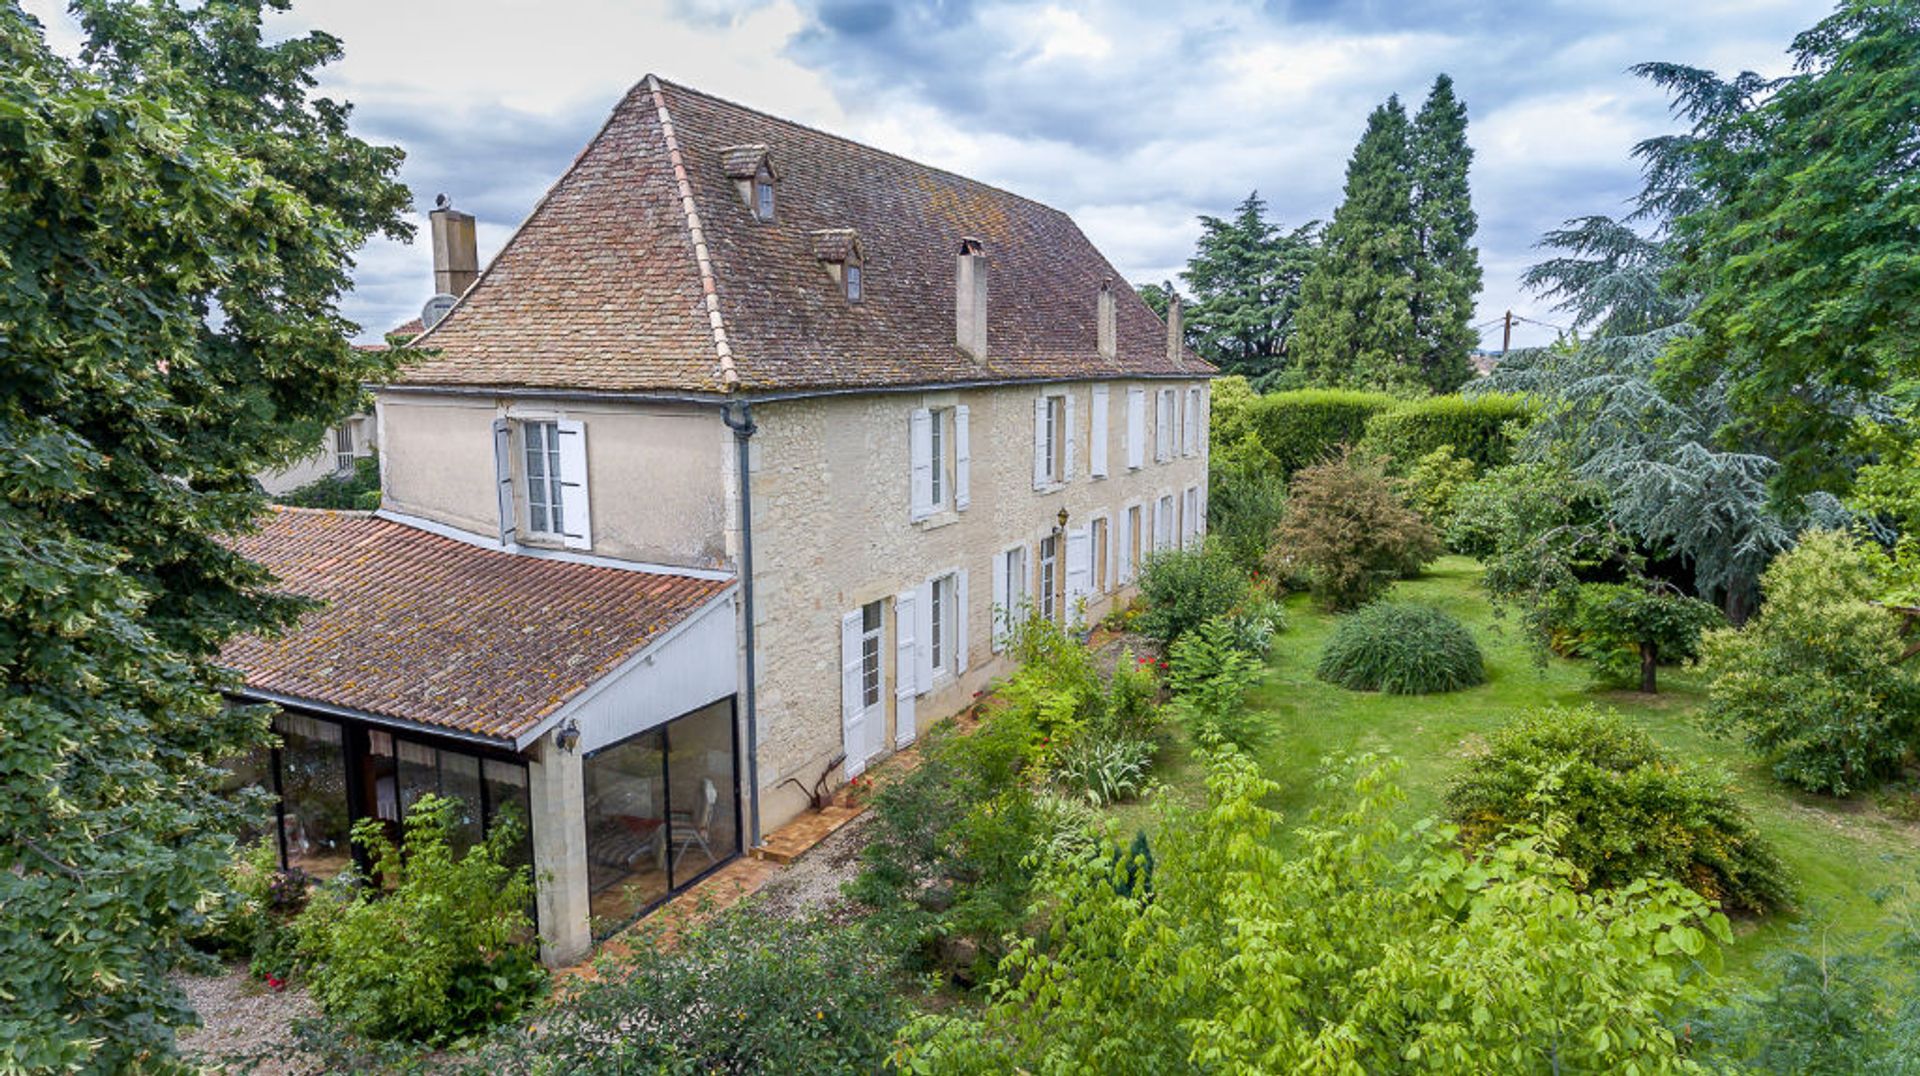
[[1841, 853]]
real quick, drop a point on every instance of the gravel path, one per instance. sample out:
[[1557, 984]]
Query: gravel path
[[240, 1015], [812, 882]]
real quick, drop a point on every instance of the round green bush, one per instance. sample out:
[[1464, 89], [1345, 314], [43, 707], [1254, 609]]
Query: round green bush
[[1621, 809], [1402, 649]]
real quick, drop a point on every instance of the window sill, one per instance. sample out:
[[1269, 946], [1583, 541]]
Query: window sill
[[1051, 487], [941, 518]]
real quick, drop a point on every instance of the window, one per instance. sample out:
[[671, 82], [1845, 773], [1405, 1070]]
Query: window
[[763, 197], [1100, 582], [1009, 592], [1130, 544], [1192, 522], [942, 616], [1163, 523], [1164, 427], [1195, 431], [853, 282], [1055, 446], [870, 616], [1136, 428], [546, 510], [937, 433], [1049, 574], [343, 448]]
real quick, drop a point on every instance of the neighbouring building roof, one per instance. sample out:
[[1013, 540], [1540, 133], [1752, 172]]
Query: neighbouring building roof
[[644, 269], [436, 631]]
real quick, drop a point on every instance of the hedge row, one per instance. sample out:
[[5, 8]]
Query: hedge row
[[1476, 428], [1302, 427]]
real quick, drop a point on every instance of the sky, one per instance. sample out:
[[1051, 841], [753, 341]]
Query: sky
[[1134, 118]]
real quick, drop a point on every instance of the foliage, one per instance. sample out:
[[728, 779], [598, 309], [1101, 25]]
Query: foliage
[[1133, 699], [1630, 811], [1254, 623], [1828, 1007], [1246, 496], [1245, 276], [1210, 676], [1307, 426], [1629, 629], [435, 951], [1349, 532], [1802, 246], [1402, 649], [1813, 683], [180, 165], [1372, 949], [743, 992], [255, 915], [1434, 482], [1184, 588], [360, 490], [1479, 428], [1447, 266], [1106, 769]]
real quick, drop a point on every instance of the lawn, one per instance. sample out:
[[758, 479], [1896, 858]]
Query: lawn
[[1840, 852]]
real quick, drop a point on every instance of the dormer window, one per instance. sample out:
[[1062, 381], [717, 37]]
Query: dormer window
[[839, 252], [751, 169]]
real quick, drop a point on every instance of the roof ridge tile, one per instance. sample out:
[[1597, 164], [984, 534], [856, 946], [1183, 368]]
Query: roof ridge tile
[[709, 285]]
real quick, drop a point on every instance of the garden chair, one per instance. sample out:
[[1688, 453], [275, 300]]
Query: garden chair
[[691, 827]]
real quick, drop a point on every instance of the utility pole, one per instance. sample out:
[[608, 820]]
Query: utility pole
[[1506, 334]]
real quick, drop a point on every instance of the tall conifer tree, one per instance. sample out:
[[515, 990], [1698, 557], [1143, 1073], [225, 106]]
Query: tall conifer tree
[[1447, 266], [1355, 325]]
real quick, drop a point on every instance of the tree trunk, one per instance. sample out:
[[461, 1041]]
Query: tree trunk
[[1649, 664]]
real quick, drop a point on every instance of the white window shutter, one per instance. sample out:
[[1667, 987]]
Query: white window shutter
[[962, 460], [960, 639], [852, 712], [1136, 428], [1159, 521], [920, 455], [1097, 435], [1079, 570], [1002, 601], [503, 480], [1039, 442], [576, 512], [923, 636], [908, 614], [1124, 547], [1072, 435]]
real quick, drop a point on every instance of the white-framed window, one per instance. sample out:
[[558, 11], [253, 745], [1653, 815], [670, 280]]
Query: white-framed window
[[763, 196], [1097, 436], [1163, 516], [939, 460], [1192, 518], [871, 617], [1165, 426], [1049, 576], [1054, 446], [1010, 599], [343, 448], [1136, 428], [1053, 439], [853, 282], [1193, 429], [546, 498], [943, 633], [1133, 538]]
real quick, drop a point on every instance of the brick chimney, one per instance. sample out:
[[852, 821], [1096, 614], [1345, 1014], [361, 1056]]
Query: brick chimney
[[1176, 350], [1109, 335], [456, 261], [970, 298]]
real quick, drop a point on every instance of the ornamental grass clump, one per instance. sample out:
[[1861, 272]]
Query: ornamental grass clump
[[1402, 649]]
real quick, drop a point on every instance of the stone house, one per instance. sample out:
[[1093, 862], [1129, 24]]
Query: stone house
[[715, 487]]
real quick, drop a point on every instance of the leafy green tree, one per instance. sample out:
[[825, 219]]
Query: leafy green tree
[[178, 227], [1371, 949], [1245, 275], [1355, 325], [1629, 629], [1447, 265], [1803, 248]]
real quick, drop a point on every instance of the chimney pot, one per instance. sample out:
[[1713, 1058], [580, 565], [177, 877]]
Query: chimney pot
[[970, 298], [456, 260]]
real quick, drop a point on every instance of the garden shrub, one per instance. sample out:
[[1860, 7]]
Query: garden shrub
[[1256, 621], [255, 916], [1349, 532], [1401, 649], [1183, 588], [1630, 810], [1479, 428], [1133, 699], [440, 948], [361, 489], [1813, 683], [1628, 630], [1210, 676], [1306, 426], [1246, 496], [1434, 481], [744, 992], [1507, 508], [1106, 769]]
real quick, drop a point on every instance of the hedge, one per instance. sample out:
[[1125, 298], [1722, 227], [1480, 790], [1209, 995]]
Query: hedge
[[1304, 426], [1475, 427]]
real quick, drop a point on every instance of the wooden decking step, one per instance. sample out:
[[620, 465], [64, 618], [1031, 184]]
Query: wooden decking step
[[791, 841]]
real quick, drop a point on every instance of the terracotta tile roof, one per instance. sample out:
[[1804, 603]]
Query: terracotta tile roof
[[644, 269], [436, 631]]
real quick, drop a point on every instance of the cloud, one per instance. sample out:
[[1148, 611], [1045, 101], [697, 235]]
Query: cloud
[[1134, 117]]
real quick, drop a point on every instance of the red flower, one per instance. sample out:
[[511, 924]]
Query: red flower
[[276, 982]]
